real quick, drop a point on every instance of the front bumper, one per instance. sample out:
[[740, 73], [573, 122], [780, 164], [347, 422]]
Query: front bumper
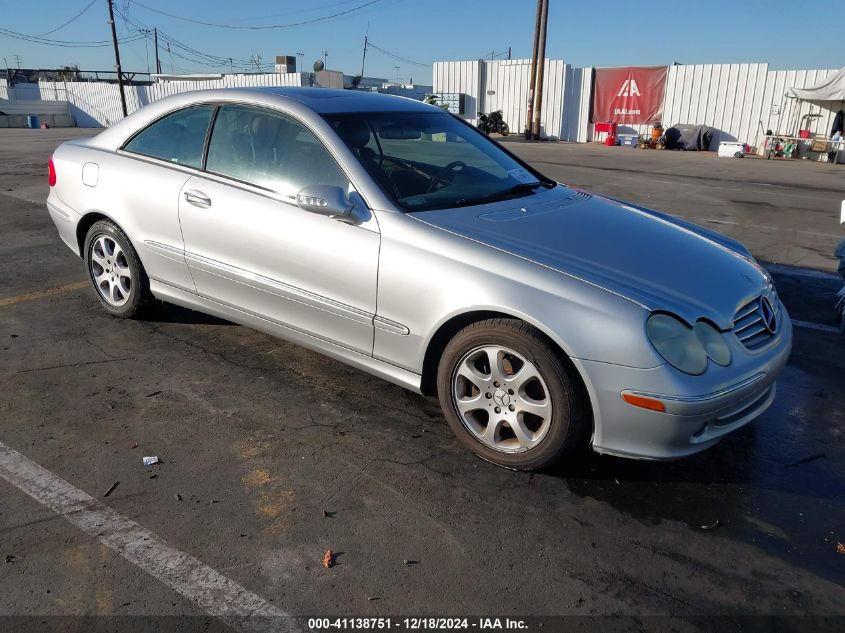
[[699, 409]]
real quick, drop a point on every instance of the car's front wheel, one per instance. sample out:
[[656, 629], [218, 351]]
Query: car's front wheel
[[115, 271], [509, 397]]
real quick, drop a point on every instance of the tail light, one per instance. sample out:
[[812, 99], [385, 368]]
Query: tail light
[[51, 173]]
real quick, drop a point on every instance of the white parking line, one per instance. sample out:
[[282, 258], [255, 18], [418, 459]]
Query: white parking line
[[809, 325], [209, 590], [806, 273]]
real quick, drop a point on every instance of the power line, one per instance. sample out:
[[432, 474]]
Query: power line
[[64, 24], [259, 28], [63, 43], [398, 57], [205, 59], [298, 11]]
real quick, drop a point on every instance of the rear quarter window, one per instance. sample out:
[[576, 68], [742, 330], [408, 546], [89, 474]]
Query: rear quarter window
[[177, 138]]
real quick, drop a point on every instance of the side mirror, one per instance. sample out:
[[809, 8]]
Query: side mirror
[[333, 203], [324, 200]]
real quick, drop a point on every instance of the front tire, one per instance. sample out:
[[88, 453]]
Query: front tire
[[509, 397], [504, 130], [115, 272]]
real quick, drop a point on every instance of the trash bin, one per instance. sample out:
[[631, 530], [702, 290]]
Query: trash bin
[[32, 121]]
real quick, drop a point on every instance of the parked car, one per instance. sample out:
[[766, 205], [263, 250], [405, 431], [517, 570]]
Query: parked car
[[395, 237]]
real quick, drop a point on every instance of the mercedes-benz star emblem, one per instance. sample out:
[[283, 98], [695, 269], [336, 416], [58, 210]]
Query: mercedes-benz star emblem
[[767, 312]]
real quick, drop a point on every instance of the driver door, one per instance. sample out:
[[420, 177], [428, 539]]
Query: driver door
[[249, 246]]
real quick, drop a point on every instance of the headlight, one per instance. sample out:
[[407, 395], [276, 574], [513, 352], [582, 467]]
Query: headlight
[[714, 343], [677, 343]]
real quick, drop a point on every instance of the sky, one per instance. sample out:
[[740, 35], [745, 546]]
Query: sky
[[411, 34]]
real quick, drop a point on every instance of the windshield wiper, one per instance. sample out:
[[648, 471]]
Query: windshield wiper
[[523, 187]]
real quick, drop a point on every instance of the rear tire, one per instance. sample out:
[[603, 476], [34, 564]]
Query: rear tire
[[509, 396], [115, 271]]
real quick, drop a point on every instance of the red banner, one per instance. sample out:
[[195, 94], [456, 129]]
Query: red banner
[[629, 95]]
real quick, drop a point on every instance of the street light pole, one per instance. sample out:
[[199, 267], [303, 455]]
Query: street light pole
[[117, 58]]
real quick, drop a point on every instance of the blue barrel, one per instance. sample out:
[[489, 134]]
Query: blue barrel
[[32, 121]]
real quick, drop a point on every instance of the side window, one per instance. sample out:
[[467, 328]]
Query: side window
[[177, 138], [269, 150]]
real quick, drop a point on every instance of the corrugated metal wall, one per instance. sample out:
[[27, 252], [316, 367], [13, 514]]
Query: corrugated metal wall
[[740, 101], [726, 97], [462, 77], [735, 99], [793, 112], [505, 88], [503, 85], [95, 104], [25, 106], [576, 104]]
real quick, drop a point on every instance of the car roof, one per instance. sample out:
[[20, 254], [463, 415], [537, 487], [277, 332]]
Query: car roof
[[304, 101], [328, 100]]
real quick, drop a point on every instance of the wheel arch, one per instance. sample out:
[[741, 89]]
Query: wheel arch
[[449, 328], [84, 225]]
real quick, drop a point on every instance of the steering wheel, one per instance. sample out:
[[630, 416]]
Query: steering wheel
[[454, 166]]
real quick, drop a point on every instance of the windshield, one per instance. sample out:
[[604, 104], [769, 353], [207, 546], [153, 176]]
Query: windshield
[[428, 161]]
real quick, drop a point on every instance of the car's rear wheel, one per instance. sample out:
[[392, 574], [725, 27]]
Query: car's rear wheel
[[115, 271], [509, 397]]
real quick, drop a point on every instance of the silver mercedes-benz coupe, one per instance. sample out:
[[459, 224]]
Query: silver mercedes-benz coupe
[[395, 237]]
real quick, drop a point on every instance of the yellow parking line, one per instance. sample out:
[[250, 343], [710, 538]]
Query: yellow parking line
[[49, 292]]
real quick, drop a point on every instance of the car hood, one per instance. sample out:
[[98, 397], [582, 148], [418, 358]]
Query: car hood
[[646, 256]]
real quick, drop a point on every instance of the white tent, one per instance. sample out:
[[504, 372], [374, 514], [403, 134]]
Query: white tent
[[824, 100], [830, 89]]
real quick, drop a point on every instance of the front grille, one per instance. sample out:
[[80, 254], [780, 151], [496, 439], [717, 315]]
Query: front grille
[[750, 321]]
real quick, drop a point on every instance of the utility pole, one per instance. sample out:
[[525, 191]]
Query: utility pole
[[300, 58], [364, 59], [146, 34], [509, 53], [171, 56], [18, 60], [117, 57], [155, 38], [541, 67], [326, 59], [231, 66], [533, 71]]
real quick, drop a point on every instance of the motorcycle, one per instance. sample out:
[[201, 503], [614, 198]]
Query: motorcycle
[[492, 122]]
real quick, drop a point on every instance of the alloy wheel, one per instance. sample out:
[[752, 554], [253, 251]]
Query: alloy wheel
[[502, 399], [110, 270]]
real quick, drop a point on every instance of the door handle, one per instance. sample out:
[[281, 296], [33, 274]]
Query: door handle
[[197, 198]]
